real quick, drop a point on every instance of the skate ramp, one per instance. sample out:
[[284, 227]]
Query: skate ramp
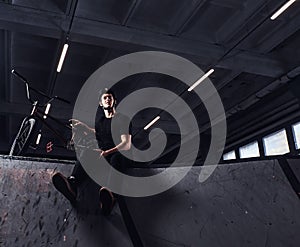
[[242, 204], [33, 213]]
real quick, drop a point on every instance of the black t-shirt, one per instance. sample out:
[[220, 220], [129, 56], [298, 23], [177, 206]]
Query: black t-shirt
[[103, 129]]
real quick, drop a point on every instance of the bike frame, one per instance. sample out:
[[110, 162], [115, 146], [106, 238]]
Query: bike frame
[[22, 139], [40, 116]]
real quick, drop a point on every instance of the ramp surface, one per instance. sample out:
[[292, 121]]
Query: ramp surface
[[33, 213], [242, 204]]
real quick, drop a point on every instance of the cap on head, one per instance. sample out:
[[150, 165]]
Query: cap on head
[[106, 91]]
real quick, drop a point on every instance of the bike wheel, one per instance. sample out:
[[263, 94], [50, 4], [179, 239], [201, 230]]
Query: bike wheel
[[22, 139]]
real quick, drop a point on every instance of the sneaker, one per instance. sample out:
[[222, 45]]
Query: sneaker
[[107, 200], [65, 186]]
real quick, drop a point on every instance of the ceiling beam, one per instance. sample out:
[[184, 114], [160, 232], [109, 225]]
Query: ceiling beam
[[233, 25], [227, 79], [188, 16], [286, 28], [68, 6], [234, 4], [293, 113], [87, 31], [270, 123], [28, 20], [270, 115], [47, 24], [254, 98], [62, 4], [131, 10]]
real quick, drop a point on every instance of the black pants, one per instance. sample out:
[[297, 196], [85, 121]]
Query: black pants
[[117, 160]]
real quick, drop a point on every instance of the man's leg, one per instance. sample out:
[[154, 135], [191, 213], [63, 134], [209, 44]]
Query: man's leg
[[107, 198], [78, 174], [68, 185]]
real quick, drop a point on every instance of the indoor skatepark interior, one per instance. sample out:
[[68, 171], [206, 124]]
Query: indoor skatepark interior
[[212, 90]]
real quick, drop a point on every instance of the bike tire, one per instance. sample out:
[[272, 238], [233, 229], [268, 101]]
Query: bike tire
[[22, 140]]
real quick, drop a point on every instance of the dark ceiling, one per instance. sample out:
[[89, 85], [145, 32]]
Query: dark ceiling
[[255, 59]]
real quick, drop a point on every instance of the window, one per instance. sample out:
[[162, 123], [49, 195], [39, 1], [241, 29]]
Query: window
[[276, 143], [229, 156], [296, 132], [249, 151]]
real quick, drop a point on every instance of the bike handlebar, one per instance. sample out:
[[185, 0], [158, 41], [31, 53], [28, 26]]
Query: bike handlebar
[[13, 71], [19, 75]]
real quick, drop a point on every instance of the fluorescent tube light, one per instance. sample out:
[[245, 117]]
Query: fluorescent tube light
[[151, 123], [38, 139], [201, 79], [62, 57], [47, 110], [282, 9]]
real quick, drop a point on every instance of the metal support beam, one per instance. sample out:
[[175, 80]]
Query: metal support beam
[[42, 23], [273, 122], [132, 8], [290, 175], [286, 28], [234, 4], [233, 24], [92, 32], [290, 137], [188, 17], [37, 22], [290, 111]]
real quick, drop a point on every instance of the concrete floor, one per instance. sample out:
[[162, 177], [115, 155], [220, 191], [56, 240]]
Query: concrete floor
[[243, 204]]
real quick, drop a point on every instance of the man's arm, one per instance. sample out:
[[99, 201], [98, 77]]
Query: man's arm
[[76, 124], [125, 144]]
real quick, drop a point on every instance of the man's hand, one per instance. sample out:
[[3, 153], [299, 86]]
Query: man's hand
[[104, 154], [80, 126], [101, 152], [75, 123]]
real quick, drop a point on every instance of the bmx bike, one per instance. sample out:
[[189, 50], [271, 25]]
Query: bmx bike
[[39, 113]]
